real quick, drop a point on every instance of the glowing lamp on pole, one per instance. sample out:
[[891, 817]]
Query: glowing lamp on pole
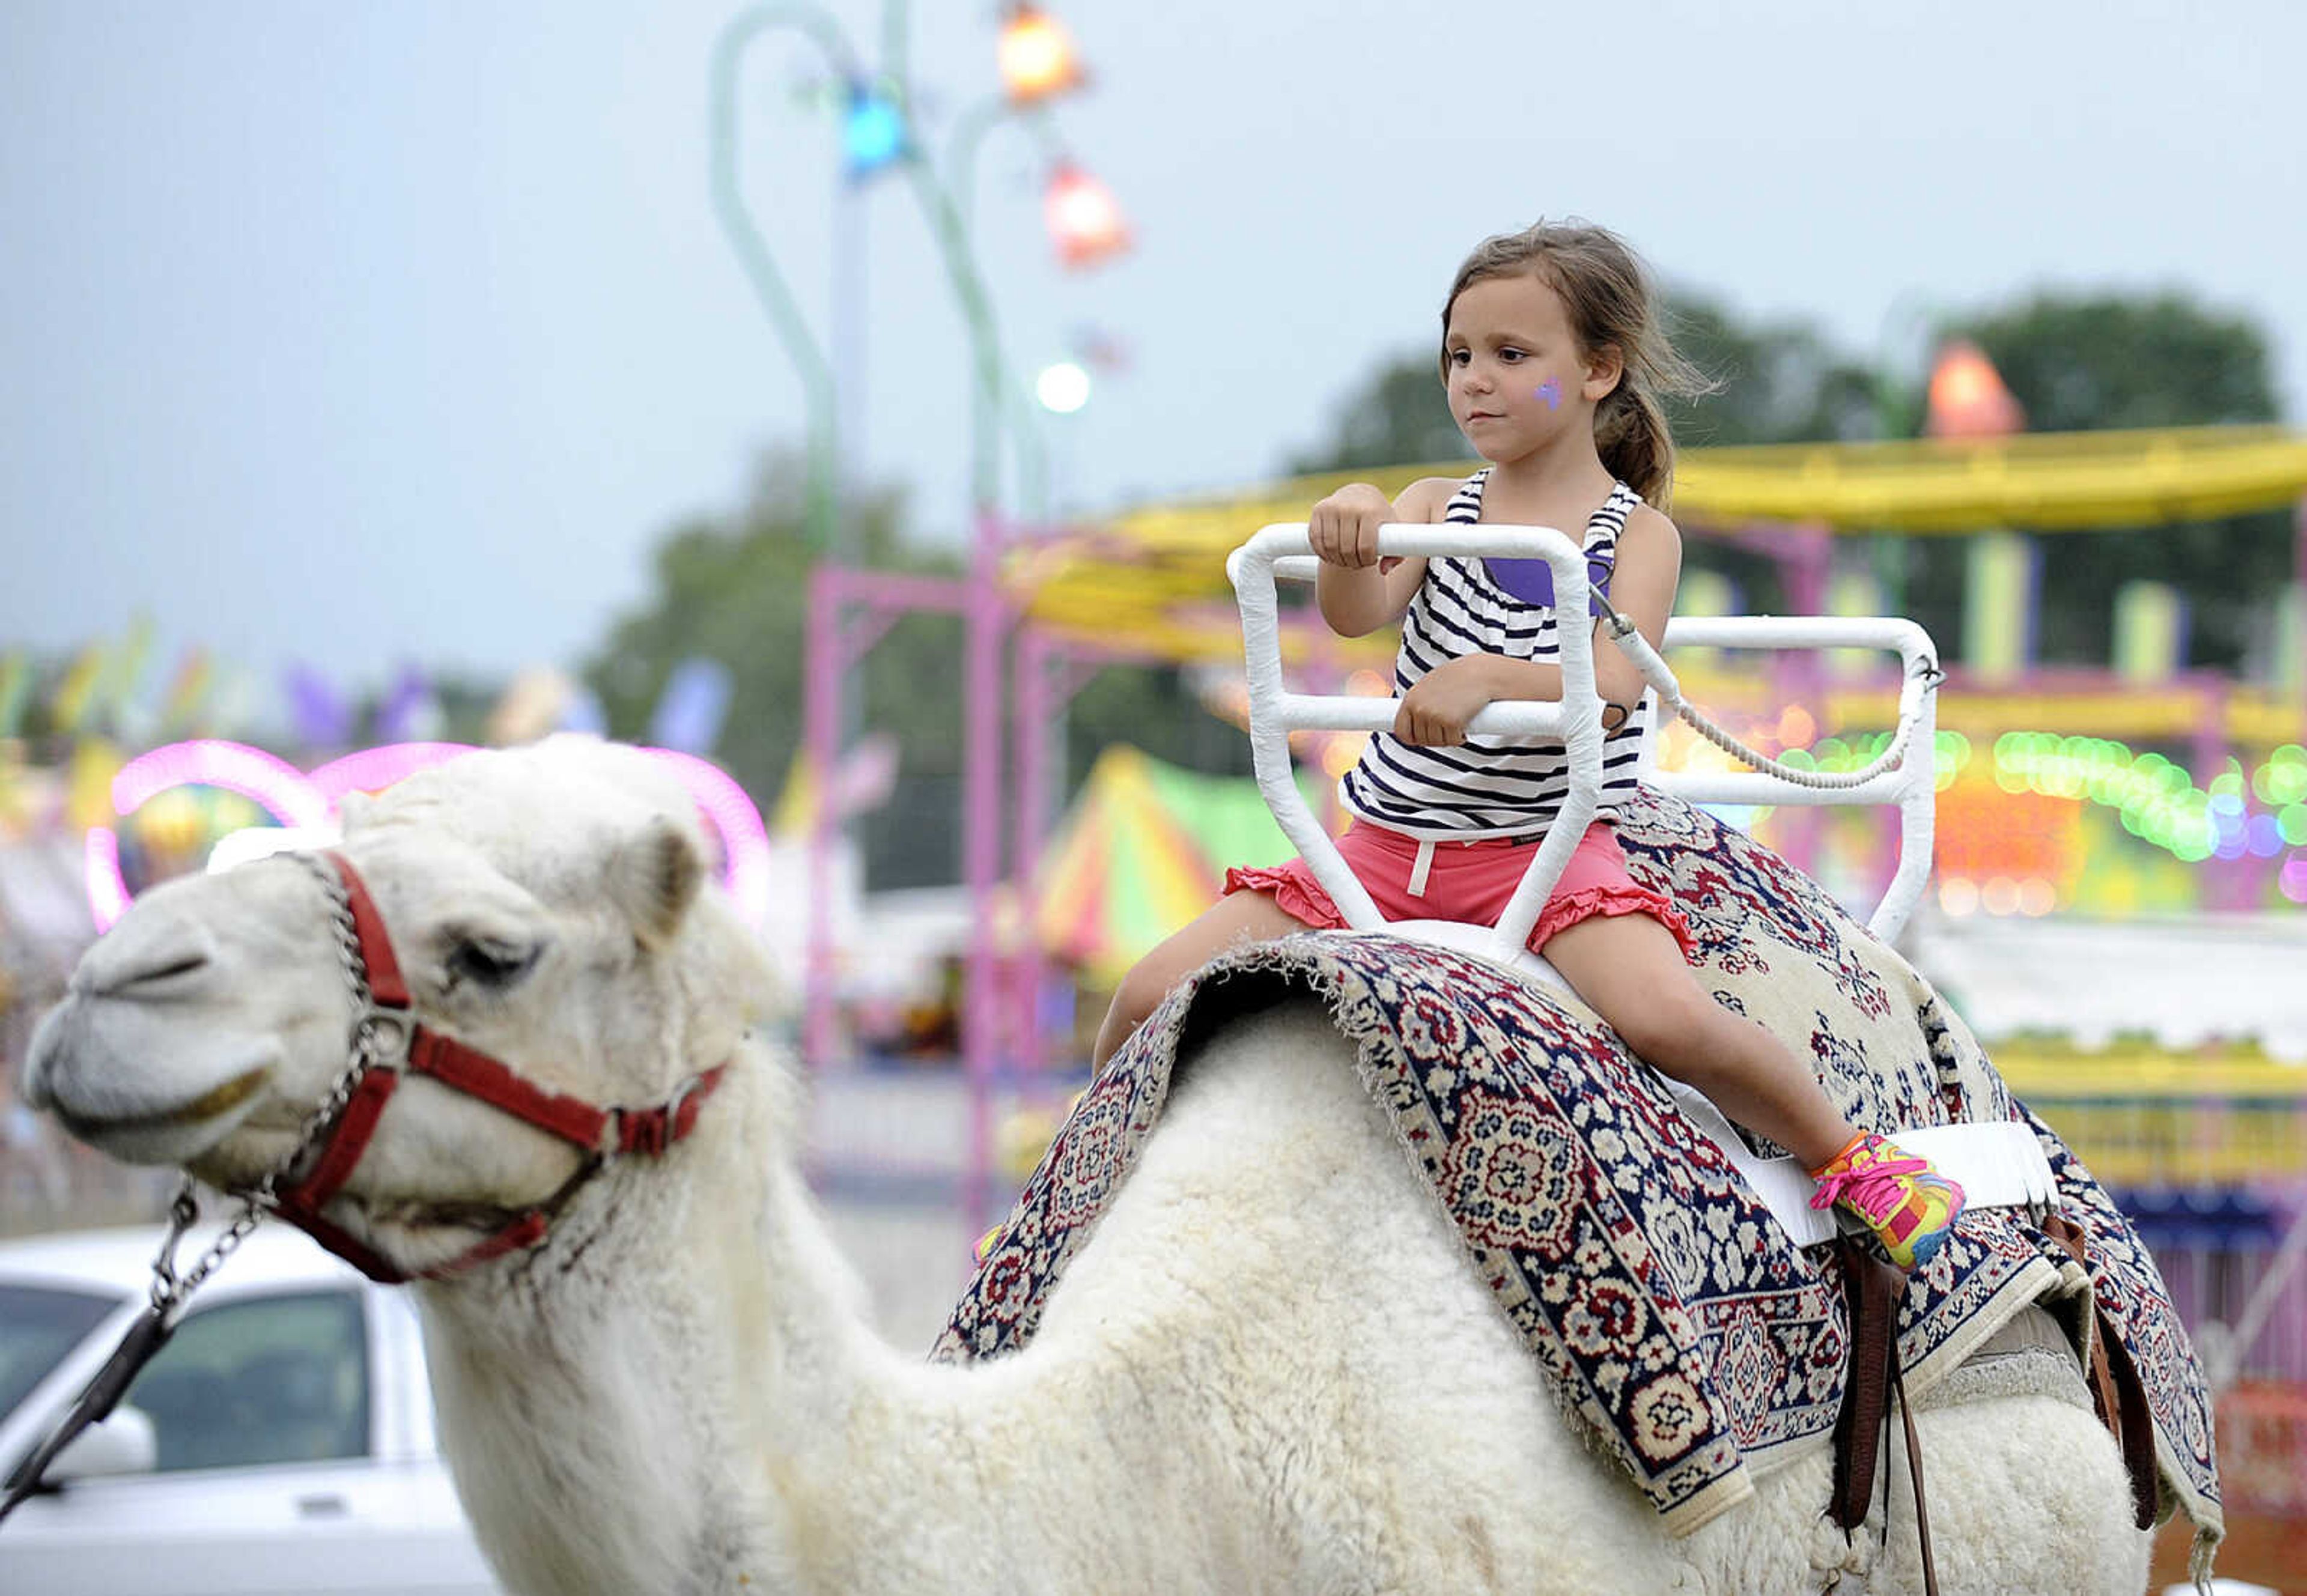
[[1036, 56], [1085, 222], [1967, 399], [1062, 388], [873, 133]]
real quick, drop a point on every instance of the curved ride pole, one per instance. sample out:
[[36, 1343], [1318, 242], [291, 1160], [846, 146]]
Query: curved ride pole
[[753, 255], [1030, 460], [1283, 551], [822, 512]]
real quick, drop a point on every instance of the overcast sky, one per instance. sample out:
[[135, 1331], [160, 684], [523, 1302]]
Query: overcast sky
[[390, 330]]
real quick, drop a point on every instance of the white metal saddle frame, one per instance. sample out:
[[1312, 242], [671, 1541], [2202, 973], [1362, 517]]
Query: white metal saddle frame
[[1997, 1164]]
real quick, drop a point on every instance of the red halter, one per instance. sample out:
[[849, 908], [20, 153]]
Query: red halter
[[605, 1134]]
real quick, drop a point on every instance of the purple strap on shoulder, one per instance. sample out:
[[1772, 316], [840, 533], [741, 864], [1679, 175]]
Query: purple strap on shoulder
[[1532, 580]]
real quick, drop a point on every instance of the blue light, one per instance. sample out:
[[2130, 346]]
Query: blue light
[[873, 133]]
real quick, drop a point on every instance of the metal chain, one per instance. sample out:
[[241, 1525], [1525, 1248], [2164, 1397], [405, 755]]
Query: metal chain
[[170, 1290]]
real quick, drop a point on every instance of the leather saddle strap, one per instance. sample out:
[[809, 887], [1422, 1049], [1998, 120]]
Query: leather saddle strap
[[2115, 1388], [1871, 1292], [2137, 1434], [1870, 1295], [1914, 1472]]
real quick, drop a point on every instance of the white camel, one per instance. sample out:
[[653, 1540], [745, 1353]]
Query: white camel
[[1271, 1369]]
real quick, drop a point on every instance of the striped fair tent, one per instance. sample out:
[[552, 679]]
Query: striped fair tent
[[1141, 851]]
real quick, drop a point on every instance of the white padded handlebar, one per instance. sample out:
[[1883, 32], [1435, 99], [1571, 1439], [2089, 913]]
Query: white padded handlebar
[[1275, 711], [1280, 553]]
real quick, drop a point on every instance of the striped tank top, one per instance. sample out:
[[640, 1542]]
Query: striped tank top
[[1491, 786]]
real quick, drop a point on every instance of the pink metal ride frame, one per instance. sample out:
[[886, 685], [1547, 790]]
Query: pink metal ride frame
[[833, 648]]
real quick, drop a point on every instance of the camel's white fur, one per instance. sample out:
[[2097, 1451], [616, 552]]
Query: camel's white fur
[[1270, 1370]]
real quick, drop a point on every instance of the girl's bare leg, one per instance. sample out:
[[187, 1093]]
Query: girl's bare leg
[[1236, 917], [1630, 970]]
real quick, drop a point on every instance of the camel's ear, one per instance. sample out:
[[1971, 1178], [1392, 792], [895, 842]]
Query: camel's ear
[[654, 879]]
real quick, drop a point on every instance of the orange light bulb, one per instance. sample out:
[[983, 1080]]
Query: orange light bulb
[[1967, 399], [1084, 220], [1036, 57]]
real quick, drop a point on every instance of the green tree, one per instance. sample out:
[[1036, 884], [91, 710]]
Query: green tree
[[2090, 362], [1153, 707], [1777, 383], [1396, 416], [2084, 363], [2076, 362], [735, 589]]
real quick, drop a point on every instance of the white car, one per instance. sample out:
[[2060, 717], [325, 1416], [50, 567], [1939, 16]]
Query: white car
[[281, 1441]]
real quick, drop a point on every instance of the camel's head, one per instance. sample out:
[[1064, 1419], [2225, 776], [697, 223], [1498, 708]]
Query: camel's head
[[546, 906]]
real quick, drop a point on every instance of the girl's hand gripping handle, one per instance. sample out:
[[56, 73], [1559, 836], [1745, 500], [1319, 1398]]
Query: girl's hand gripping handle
[[1344, 527]]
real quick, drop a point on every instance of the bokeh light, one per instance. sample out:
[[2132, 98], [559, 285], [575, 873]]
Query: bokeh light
[[1062, 388], [873, 133], [1084, 218], [1036, 56], [2157, 800], [2293, 878], [155, 795]]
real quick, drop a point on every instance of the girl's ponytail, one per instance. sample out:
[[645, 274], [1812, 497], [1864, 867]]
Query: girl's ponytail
[[1630, 435]]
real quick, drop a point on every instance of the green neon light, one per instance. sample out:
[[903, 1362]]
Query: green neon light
[[2157, 800]]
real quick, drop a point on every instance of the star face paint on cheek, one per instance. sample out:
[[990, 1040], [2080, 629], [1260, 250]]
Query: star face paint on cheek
[[1550, 390]]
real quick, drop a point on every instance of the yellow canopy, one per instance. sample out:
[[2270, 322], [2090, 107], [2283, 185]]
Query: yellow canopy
[[1154, 579], [2143, 1115], [2053, 482]]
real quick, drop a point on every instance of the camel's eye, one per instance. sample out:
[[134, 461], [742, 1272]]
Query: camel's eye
[[490, 964]]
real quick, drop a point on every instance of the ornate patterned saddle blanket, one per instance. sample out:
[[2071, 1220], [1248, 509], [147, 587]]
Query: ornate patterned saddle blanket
[[1663, 1301]]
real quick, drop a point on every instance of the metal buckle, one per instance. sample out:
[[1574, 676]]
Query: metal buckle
[[673, 1104], [390, 1033], [664, 1117]]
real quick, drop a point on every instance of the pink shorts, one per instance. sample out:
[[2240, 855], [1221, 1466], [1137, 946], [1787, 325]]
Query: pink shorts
[[1469, 881]]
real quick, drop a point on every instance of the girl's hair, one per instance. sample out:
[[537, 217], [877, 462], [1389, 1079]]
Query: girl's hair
[[1607, 292]]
